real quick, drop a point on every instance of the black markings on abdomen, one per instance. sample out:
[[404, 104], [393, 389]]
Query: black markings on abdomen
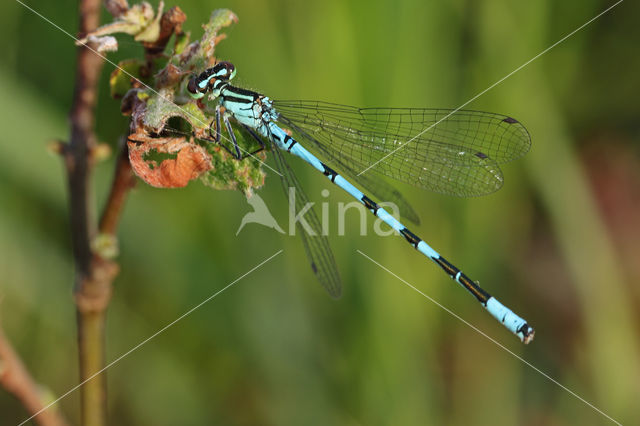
[[411, 237], [370, 204], [288, 138], [455, 273], [329, 172], [448, 268], [478, 292]]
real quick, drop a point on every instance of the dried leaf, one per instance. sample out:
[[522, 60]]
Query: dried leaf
[[151, 31], [170, 23], [167, 162], [103, 44], [169, 76], [137, 21]]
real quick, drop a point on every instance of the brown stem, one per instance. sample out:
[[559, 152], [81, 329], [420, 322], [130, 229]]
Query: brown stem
[[93, 291], [15, 378], [94, 270], [92, 282], [123, 181]]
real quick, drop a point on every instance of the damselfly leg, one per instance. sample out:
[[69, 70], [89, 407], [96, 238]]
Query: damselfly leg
[[215, 136]]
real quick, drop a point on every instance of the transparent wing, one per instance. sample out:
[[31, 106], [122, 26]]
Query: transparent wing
[[381, 190], [316, 246], [372, 183], [435, 149]]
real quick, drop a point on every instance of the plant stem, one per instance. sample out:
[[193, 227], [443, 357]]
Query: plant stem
[[123, 181], [91, 290], [15, 378]]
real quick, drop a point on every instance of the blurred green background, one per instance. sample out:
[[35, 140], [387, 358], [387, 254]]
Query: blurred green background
[[559, 244]]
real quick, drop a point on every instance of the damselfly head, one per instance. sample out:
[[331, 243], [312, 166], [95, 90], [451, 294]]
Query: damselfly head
[[206, 80]]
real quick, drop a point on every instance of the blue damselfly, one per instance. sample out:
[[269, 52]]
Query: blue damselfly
[[459, 155]]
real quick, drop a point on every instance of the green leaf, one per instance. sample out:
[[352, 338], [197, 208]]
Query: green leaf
[[229, 173], [160, 107], [121, 78], [182, 40], [220, 19]]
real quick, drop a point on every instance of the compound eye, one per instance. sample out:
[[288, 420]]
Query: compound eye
[[231, 69], [192, 87]]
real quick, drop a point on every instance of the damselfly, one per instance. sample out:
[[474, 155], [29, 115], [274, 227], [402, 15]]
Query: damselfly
[[458, 154]]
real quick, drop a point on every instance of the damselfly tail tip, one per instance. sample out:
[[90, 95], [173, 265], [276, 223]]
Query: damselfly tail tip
[[527, 333]]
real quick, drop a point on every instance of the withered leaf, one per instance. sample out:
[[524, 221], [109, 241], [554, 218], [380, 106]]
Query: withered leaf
[[167, 162]]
